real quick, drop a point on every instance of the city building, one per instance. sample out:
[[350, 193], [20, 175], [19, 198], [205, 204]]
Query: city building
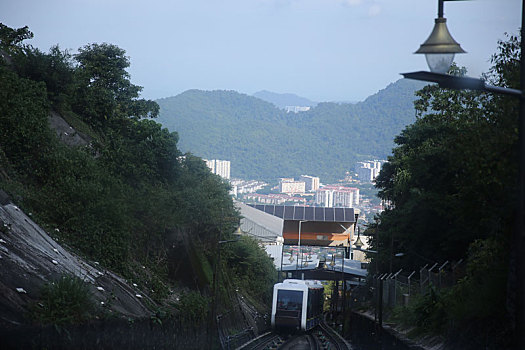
[[273, 198], [367, 171], [219, 167], [290, 186], [296, 109], [334, 196], [311, 183], [245, 186]]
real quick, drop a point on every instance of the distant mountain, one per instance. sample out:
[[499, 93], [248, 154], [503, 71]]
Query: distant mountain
[[283, 100], [264, 142]]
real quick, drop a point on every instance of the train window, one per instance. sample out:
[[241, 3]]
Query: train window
[[289, 299], [313, 302]]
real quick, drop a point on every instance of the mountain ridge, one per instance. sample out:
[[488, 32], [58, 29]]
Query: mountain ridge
[[282, 100], [264, 142]]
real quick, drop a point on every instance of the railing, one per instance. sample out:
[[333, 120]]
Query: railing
[[400, 287]]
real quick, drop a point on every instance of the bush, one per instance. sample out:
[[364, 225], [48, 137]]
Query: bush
[[471, 309], [65, 301], [193, 307]]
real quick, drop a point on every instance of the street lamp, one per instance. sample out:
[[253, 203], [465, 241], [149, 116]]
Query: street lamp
[[237, 234], [439, 43], [358, 243], [440, 47]]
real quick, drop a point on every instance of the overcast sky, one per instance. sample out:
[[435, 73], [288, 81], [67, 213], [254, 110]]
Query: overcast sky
[[325, 50]]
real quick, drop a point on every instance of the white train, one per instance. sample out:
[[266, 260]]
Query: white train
[[297, 305]]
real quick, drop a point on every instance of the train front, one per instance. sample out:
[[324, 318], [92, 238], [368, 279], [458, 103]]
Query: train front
[[288, 307]]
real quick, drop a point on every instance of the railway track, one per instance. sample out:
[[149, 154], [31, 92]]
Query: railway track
[[320, 338], [268, 340], [330, 339]]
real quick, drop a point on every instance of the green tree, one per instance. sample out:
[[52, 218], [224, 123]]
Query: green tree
[[11, 39], [254, 271], [104, 94], [451, 186], [451, 178], [55, 69]]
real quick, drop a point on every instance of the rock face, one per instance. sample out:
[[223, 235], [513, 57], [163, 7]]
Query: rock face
[[65, 132], [29, 258]]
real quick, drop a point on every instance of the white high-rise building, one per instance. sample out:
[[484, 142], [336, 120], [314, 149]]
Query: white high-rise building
[[219, 167], [368, 170], [337, 196], [311, 183]]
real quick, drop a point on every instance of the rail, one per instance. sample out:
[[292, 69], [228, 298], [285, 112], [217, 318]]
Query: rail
[[264, 341], [327, 334]]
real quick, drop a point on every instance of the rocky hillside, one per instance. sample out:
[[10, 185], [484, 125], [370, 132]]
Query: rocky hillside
[[30, 258]]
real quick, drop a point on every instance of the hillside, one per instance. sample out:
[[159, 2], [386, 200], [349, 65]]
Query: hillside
[[263, 142], [283, 100], [89, 183]]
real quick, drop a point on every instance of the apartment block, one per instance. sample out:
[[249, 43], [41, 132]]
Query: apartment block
[[367, 171], [311, 183], [333, 196], [290, 186], [219, 167]]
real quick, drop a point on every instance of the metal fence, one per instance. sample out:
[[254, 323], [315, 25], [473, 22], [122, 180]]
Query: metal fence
[[232, 334], [400, 287], [240, 324]]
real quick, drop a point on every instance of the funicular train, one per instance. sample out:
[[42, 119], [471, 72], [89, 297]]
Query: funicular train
[[297, 305]]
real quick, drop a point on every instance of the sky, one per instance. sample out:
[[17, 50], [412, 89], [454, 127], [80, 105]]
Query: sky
[[324, 50]]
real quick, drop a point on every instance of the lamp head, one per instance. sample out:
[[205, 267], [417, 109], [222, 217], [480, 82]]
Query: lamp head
[[358, 243], [238, 232], [440, 47]]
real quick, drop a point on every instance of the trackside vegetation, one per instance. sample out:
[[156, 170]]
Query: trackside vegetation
[[122, 194], [451, 190]]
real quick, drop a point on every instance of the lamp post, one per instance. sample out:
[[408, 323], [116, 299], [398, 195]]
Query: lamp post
[[440, 44], [280, 242], [358, 243], [299, 251]]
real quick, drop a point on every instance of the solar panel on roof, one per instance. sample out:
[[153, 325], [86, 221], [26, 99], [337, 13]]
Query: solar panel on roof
[[329, 214], [270, 209], [309, 213], [299, 213], [319, 214], [349, 214], [339, 214], [279, 211], [288, 212]]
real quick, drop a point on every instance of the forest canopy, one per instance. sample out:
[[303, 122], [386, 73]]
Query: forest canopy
[[264, 142]]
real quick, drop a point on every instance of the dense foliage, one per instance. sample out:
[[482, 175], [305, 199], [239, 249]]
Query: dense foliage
[[264, 142], [283, 100], [125, 195], [246, 260], [451, 186]]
